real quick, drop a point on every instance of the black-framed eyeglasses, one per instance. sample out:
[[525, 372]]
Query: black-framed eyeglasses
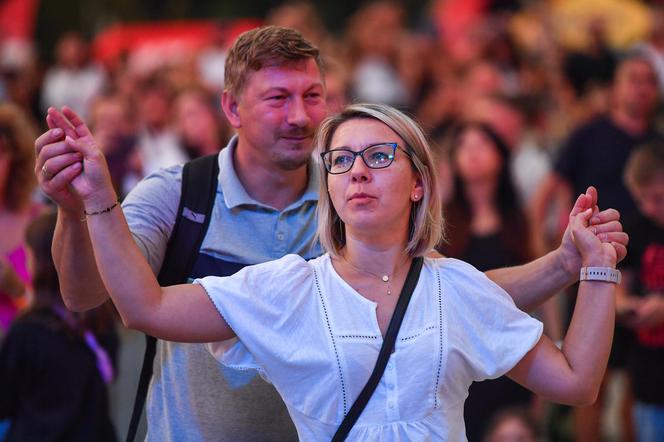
[[375, 156]]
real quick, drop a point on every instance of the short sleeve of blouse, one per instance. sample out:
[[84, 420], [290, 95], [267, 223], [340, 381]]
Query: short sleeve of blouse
[[488, 334], [262, 304]]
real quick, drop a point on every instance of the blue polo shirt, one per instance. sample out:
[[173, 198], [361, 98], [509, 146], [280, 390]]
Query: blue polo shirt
[[192, 397]]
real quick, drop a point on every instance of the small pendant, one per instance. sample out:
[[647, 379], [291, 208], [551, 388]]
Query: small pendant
[[389, 292], [385, 278]]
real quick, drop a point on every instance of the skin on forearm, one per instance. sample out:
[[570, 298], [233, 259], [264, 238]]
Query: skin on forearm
[[163, 312], [531, 284], [80, 283], [550, 315], [122, 268], [586, 347], [573, 375]]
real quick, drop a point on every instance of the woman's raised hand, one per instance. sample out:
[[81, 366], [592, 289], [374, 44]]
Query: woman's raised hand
[[70, 167], [605, 224], [596, 249]]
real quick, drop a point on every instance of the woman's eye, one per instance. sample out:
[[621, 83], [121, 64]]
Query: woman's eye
[[380, 157], [340, 160]]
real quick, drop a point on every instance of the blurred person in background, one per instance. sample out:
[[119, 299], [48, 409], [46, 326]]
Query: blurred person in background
[[199, 123], [74, 80], [374, 37], [440, 109], [527, 165], [640, 298], [114, 124], [55, 365], [605, 142], [17, 208], [19, 79], [596, 152], [529, 162], [590, 71], [158, 145], [302, 16], [210, 62], [415, 67], [512, 425], [486, 228], [653, 47], [336, 85]]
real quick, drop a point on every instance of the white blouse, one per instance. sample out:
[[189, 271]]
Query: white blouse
[[317, 339]]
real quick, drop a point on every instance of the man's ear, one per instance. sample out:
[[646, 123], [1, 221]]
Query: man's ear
[[229, 104]]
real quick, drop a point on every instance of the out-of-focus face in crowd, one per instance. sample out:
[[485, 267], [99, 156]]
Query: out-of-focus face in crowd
[[71, 51], [635, 89], [154, 103], [501, 116], [650, 199], [511, 430], [198, 123], [110, 120], [376, 28], [477, 158]]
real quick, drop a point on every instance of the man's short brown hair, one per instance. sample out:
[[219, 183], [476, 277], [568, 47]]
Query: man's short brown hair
[[263, 47]]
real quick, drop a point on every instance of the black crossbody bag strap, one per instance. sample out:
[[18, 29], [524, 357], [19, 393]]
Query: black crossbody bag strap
[[199, 187], [385, 351]]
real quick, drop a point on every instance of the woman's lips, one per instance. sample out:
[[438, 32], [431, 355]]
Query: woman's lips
[[360, 197]]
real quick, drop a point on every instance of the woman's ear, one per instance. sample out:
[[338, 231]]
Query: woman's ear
[[418, 190]]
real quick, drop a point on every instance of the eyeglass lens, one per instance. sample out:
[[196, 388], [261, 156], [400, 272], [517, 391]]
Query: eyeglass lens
[[375, 157]]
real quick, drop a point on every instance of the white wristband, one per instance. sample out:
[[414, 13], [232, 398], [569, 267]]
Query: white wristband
[[608, 274]]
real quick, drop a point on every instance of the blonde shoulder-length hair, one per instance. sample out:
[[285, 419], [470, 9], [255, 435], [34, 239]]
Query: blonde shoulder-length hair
[[426, 218]]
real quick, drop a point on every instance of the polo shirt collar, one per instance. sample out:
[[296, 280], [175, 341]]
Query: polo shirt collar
[[234, 193]]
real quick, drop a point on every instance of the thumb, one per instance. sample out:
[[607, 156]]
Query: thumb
[[88, 150], [580, 204], [580, 221], [583, 217]]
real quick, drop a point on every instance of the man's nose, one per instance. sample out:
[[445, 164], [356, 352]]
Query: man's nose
[[297, 113]]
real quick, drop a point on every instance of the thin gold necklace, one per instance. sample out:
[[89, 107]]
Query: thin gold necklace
[[386, 277]]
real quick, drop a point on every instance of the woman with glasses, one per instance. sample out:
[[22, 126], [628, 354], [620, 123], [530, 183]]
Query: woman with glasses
[[314, 328]]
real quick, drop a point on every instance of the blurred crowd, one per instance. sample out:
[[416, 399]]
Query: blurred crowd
[[541, 99]]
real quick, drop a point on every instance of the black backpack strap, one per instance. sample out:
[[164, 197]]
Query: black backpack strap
[[199, 188], [385, 351]]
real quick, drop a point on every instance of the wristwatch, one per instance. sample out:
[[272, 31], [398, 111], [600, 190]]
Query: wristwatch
[[608, 274]]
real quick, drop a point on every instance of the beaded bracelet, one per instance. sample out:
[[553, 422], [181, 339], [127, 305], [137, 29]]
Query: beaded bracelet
[[99, 212]]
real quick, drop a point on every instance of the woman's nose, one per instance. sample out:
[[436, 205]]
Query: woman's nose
[[359, 171]]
